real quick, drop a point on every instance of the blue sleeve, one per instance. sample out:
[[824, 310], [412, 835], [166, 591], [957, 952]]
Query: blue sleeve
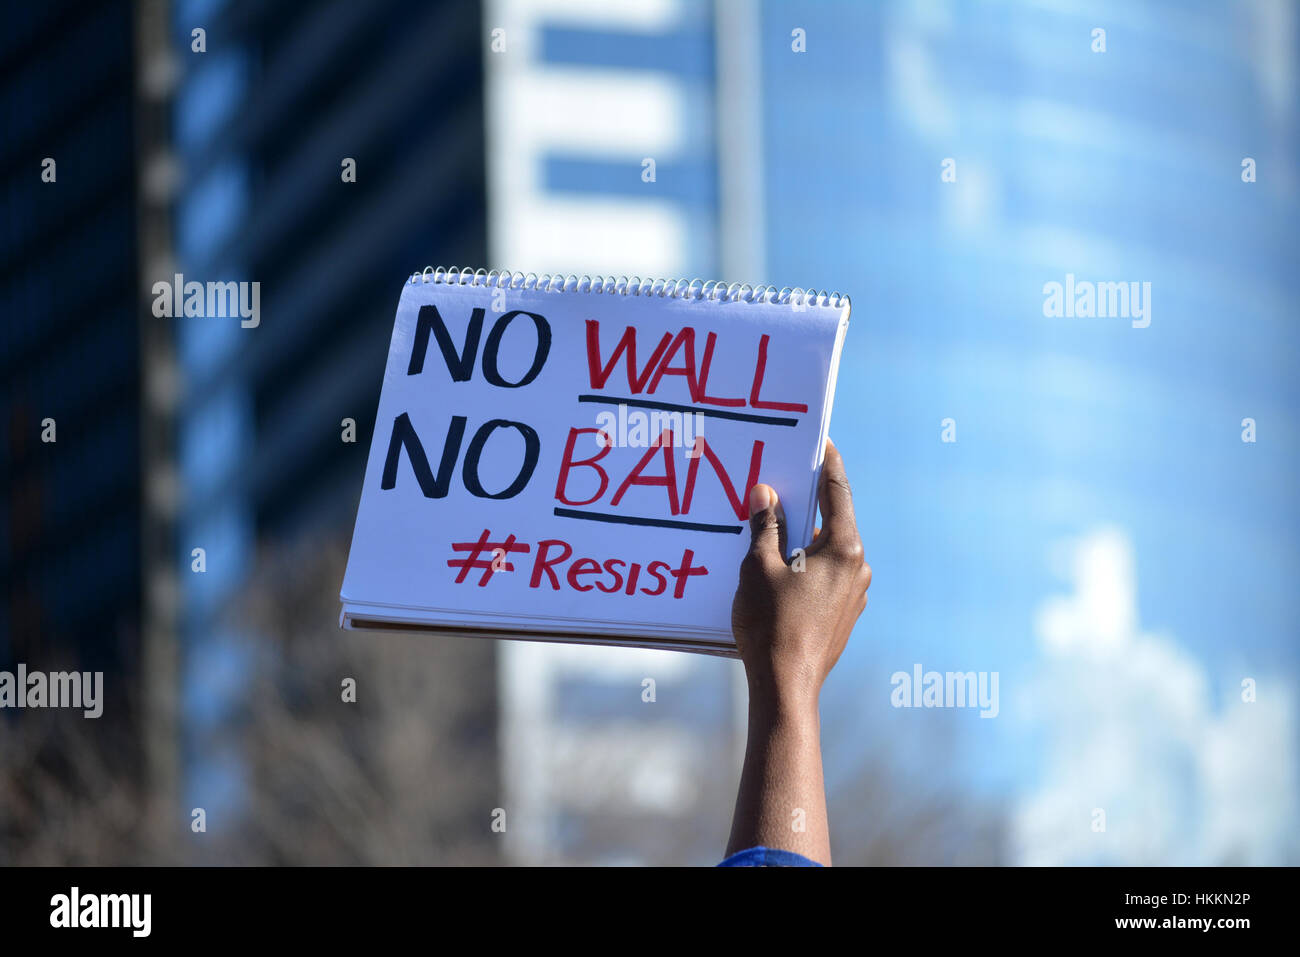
[[768, 857]]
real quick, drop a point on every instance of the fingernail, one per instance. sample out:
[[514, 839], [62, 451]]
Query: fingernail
[[759, 499]]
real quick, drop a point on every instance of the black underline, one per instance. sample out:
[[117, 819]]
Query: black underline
[[673, 407], [637, 520]]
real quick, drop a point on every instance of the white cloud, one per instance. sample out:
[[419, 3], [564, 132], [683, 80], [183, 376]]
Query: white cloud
[[1131, 730]]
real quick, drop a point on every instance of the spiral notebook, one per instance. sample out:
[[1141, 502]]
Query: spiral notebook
[[569, 459]]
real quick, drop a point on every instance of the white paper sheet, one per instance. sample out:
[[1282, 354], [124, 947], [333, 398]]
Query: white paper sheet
[[427, 554]]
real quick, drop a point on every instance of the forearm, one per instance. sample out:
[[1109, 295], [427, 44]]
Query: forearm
[[781, 802], [791, 623]]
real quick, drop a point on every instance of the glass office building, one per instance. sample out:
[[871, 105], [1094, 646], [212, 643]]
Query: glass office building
[[70, 581], [1066, 500]]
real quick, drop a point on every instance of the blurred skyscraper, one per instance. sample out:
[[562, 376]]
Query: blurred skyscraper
[[1106, 143], [1030, 487], [69, 369], [602, 159], [269, 119]]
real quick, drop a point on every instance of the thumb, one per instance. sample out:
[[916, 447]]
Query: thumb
[[766, 522]]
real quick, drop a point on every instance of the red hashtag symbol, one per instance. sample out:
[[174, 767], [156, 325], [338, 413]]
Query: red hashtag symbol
[[496, 551]]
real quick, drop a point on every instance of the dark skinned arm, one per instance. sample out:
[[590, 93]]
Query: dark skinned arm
[[791, 627]]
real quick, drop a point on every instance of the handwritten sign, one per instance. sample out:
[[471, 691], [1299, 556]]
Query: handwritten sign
[[550, 463]]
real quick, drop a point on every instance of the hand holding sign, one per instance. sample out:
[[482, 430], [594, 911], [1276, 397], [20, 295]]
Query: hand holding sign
[[792, 620], [574, 465]]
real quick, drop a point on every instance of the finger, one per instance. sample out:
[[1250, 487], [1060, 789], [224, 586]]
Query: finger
[[836, 502], [766, 523], [781, 543]]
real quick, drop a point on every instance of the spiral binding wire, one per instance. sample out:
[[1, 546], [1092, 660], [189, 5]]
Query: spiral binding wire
[[694, 289]]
